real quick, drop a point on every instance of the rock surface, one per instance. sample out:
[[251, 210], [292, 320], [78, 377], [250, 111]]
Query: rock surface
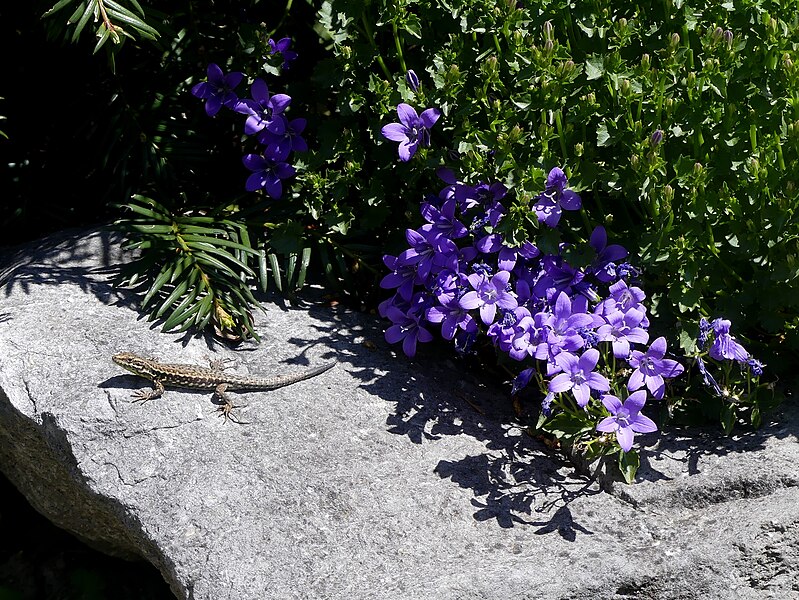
[[382, 478]]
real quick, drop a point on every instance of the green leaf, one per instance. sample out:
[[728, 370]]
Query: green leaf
[[58, 6], [628, 465], [263, 272], [276, 271], [87, 14], [727, 418], [164, 276], [306, 260], [594, 67]]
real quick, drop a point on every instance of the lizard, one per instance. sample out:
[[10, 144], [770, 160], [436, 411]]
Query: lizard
[[204, 378]]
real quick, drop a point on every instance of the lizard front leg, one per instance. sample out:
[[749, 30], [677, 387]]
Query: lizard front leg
[[145, 395]]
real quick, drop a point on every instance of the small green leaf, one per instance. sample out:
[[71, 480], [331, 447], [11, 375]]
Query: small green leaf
[[628, 465], [727, 418]]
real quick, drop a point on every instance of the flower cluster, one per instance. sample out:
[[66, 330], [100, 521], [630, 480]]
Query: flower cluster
[[265, 119], [460, 273]]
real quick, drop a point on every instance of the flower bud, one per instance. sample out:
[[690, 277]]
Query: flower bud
[[668, 194], [674, 41], [549, 31], [656, 138], [728, 39], [625, 87], [591, 98], [621, 24], [645, 61], [634, 162], [698, 168], [690, 79], [771, 25], [717, 34], [412, 80], [579, 150], [638, 128], [787, 62], [548, 47]]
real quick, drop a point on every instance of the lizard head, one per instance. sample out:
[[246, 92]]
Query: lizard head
[[132, 362]]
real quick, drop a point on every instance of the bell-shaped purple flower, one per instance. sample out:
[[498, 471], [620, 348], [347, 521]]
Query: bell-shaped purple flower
[[725, 346], [578, 376], [406, 329], [217, 91], [263, 110], [625, 419], [279, 146], [555, 199], [282, 47], [412, 131], [651, 367], [621, 330], [267, 174], [488, 294]]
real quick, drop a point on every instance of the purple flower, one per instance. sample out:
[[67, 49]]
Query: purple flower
[[218, 90], [725, 346], [278, 146], [488, 294], [406, 328], [282, 47], [625, 420], [578, 376], [650, 368], [402, 276], [622, 329], [267, 174], [428, 251], [623, 298], [452, 316], [442, 221], [412, 129], [709, 380], [563, 325], [412, 79], [755, 367], [263, 110], [606, 256], [555, 199]]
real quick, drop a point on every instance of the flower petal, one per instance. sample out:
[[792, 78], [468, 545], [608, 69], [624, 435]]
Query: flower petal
[[395, 132], [407, 115]]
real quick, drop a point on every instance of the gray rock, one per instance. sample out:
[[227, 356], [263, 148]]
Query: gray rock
[[383, 478]]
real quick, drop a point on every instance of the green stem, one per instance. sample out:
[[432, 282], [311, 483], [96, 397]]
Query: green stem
[[398, 45], [559, 125], [370, 35]]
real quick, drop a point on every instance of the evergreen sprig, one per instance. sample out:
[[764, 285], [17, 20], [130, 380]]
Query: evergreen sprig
[[193, 270], [115, 21]]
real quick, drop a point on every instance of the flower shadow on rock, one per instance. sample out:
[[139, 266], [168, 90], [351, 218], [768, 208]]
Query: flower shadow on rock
[[516, 478]]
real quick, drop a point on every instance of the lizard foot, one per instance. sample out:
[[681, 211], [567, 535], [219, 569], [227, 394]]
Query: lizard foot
[[142, 396], [226, 411]]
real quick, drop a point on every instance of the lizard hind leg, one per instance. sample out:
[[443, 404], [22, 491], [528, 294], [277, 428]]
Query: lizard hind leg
[[227, 406]]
